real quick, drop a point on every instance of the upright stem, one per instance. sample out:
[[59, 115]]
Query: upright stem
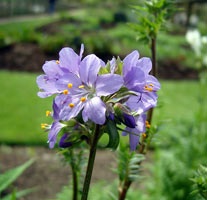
[[74, 175], [90, 165], [127, 183], [154, 72], [124, 189]]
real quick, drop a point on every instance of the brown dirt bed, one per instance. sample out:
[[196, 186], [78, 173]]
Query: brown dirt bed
[[48, 172]]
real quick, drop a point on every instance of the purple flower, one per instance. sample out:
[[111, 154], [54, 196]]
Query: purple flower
[[137, 79], [68, 61], [134, 133], [83, 91]]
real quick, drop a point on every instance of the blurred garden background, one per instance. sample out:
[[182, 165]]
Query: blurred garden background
[[31, 32]]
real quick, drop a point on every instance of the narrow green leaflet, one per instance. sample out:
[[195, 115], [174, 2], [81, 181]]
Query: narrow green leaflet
[[11, 175], [18, 194]]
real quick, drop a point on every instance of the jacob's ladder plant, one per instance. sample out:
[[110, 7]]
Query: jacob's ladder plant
[[93, 98]]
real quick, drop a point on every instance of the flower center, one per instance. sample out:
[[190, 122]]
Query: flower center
[[85, 92]]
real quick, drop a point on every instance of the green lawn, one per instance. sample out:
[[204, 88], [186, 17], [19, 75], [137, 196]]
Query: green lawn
[[22, 111]]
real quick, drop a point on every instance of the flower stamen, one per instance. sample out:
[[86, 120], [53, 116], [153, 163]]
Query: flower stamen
[[81, 86], [48, 113], [65, 92], [147, 124], [83, 99], [70, 85], [58, 62], [44, 126], [71, 105]]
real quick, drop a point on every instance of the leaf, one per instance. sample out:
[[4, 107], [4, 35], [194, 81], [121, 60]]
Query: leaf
[[113, 135], [16, 195], [11, 175]]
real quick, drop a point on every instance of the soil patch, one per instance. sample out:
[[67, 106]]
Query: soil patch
[[48, 172], [30, 57]]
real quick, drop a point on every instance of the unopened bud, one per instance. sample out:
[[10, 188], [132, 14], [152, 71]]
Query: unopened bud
[[129, 120], [63, 143]]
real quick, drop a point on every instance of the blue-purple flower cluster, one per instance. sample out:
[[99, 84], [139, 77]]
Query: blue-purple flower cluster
[[88, 90]]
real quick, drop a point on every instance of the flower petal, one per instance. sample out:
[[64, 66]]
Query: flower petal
[[66, 111], [95, 110], [47, 87], [81, 51], [134, 79], [55, 129], [66, 79], [69, 60], [52, 69], [89, 68], [142, 102], [144, 64], [130, 61], [133, 141], [152, 80], [108, 84]]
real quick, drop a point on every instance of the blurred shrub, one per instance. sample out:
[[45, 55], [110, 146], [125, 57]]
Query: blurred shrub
[[200, 183], [182, 152]]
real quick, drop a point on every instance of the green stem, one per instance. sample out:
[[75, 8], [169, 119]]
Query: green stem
[[74, 175], [154, 73], [127, 183], [90, 166]]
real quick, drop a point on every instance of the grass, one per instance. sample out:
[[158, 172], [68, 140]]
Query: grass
[[22, 111]]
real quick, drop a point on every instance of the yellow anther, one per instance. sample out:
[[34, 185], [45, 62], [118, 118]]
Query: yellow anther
[[152, 85], [65, 92], [81, 86], [144, 135], [58, 62], [71, 105], [150, 89], [83, 99], [70, 85], [43, 126], [147, 124], [48, 113]]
